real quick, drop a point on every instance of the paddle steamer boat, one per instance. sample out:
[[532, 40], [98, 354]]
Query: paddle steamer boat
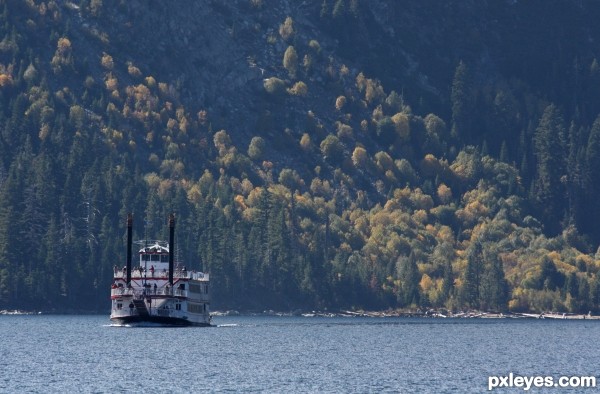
[[156, 290]]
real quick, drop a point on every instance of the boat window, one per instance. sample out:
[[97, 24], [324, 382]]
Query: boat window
[[195, 288], [119, 306], [164, 258], [145, 257], [155, 257]]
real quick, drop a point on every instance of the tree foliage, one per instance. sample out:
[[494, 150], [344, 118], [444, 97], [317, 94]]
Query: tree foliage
[[475, 186]]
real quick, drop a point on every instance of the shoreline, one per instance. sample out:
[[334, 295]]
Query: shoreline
[[431, 314]]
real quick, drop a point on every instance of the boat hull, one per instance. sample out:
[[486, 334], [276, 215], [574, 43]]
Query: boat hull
[[157, 320]]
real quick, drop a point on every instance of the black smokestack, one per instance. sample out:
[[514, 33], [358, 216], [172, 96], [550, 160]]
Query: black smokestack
[[129, 242], [171, 246]]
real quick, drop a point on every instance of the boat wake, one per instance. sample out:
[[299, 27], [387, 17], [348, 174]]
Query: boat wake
[[227, 325]]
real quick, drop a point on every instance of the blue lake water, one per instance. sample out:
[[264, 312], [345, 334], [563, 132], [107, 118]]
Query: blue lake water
[[42, 354]]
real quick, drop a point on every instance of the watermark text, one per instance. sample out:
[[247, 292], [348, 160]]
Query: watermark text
[[527, 382]]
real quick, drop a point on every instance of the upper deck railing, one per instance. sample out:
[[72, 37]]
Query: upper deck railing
[[151, 292], [139, 273], [142, 293]]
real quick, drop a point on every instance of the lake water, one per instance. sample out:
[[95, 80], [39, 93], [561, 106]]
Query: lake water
[[290, 354]]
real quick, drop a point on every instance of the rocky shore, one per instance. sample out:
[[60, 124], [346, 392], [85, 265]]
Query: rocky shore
[[440, 314], [17, 312]]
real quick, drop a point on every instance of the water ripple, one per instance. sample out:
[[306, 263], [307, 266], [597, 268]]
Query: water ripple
[[287, 354]]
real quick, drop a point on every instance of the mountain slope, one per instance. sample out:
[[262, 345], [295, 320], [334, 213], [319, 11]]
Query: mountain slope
[[341, 154]]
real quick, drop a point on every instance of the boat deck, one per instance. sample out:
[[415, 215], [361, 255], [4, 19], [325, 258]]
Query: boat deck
[[139, 273]]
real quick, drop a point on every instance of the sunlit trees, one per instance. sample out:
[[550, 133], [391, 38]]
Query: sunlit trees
[[286, 29], [96, 7], [107, 62], [340, 102], [444, 193], [305, 142], [290, 61], [299, 89], [63, 56], [402, 126], [274, 86], [360, 157], [256, 148], [437, 133], [332, 148]]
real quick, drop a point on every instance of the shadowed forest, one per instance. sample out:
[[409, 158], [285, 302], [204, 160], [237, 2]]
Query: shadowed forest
[[331, 154]]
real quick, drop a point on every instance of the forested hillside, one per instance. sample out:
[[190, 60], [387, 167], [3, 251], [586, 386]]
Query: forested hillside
[[317, 154]]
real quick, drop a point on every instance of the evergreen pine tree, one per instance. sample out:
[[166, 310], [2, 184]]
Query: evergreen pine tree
[[494, 287], [462, 103], [550, 152], [592, 181], [409, 280], [471, 287], [448, 281]]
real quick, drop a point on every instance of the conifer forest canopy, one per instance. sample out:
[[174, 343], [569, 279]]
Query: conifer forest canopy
[[324, 154]]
